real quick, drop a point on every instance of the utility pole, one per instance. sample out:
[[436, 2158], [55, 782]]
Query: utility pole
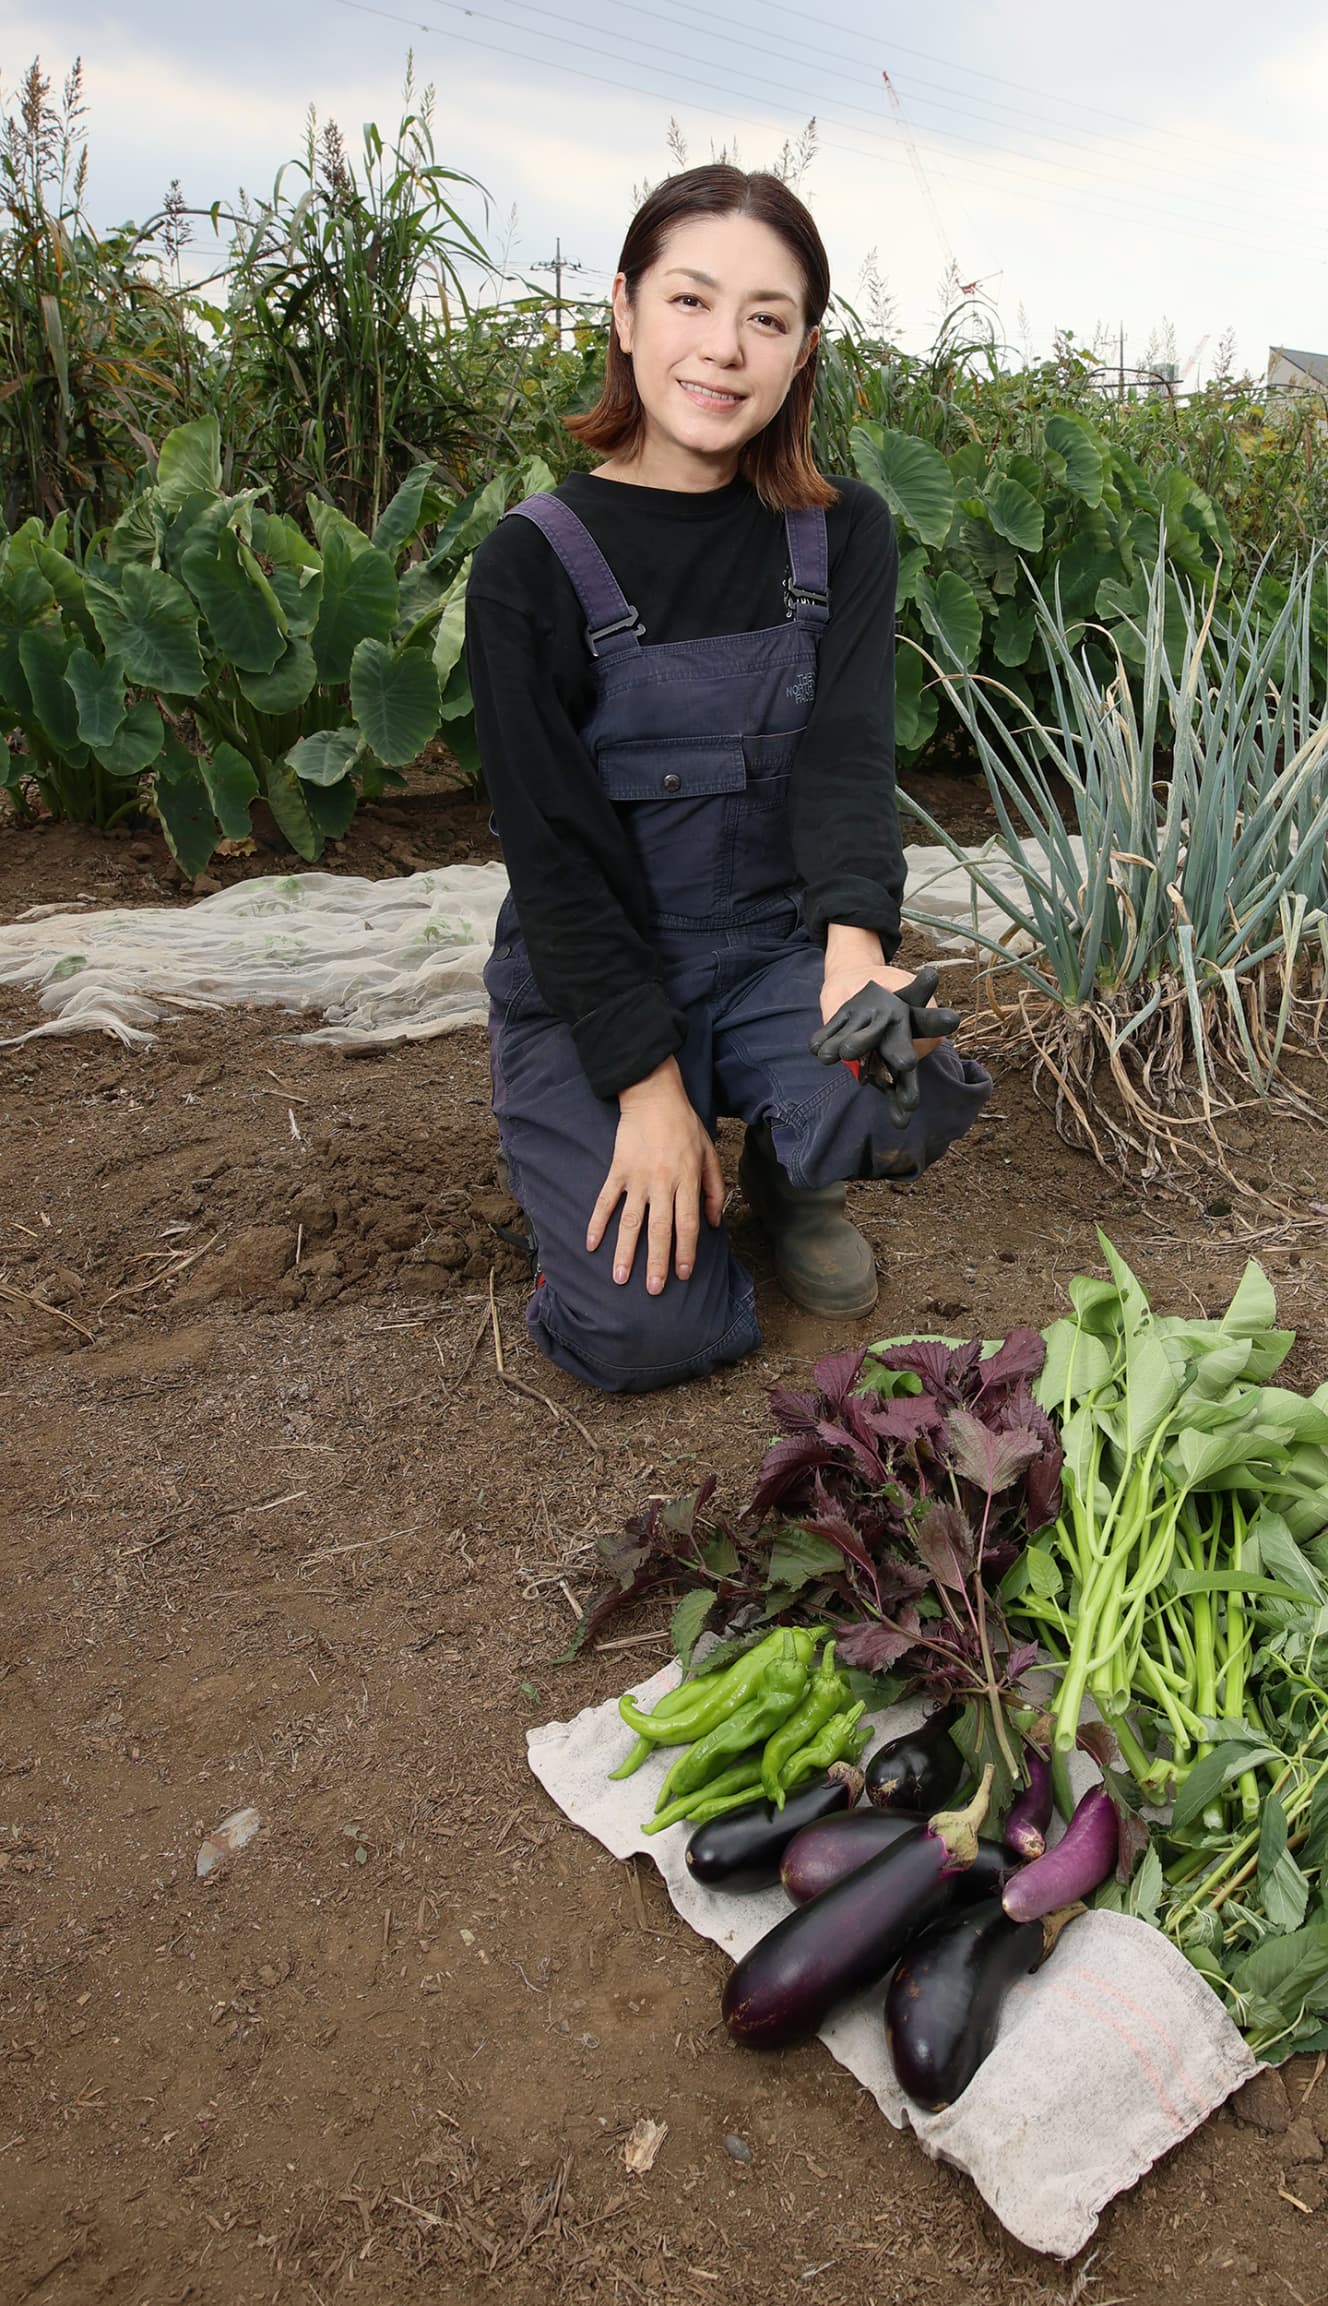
[[557, 264]]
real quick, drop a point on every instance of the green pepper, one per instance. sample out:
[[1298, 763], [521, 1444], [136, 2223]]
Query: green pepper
[[687, 1713], [780, 1690], [826, 1695], [743, 1781], [839, 1739], [641, 1752]]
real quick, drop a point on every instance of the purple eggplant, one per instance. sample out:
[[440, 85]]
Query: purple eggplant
[[943, 2004], [786, 1984], [742, 1850], [918, 1770], [1030, 1814], [823, 1853], [1075, 1865]]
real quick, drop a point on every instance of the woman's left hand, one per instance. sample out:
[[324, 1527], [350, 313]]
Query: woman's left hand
[[853, 959]]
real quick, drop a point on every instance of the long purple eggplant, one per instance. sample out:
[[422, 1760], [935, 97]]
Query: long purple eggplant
[[918, 1770], [824, 1852], [1030, 1813], [786, 1984], [1075, 1865], [943, 2004], [742, 1850]]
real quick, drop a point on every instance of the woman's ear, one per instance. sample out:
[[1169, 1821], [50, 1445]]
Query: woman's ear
[[622, 312], [813, 339]]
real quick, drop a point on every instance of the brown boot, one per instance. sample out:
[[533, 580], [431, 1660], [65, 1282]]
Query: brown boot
[[823, 1263]]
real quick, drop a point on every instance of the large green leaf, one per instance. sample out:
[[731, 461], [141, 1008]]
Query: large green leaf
[[138, 533], [1015, 514], [290, 681], [295, 569], [25, 600], [1012, 633], [916, 707], [471, 521], [949, 610], [136, 743], [331, 807], [912, 567], [184, 807], [149, 622], [241, 612], [1073, 443], [99, 694], [912, 476], [286, 799], [66, 583], [359, 603], [401, 518], [990, 556], [396, 700], [231, 786], [325, 757], [450, 638], [44, 653], [329, 520], [190, 461]]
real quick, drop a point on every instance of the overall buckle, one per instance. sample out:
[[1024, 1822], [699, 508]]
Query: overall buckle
[[628, 624], [795, 595]]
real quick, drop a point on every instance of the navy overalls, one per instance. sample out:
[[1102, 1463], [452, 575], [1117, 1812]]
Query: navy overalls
[[694, 743]]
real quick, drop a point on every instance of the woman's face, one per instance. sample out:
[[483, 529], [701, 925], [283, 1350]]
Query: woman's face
[[716, 333]]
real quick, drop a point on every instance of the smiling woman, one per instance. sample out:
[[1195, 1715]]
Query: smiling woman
[[701, 832]]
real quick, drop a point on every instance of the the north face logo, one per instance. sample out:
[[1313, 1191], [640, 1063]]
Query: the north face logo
[[803, 690]]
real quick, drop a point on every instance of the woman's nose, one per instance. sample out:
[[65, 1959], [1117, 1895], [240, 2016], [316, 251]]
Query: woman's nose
[[723, 343]]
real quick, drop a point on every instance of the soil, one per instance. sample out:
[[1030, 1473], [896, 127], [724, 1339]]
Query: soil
[[275, 1531]]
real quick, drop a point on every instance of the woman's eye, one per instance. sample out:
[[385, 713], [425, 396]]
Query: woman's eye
[[771, 320]]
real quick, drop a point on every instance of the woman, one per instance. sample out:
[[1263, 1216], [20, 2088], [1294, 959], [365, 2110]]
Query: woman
[[682, 669]]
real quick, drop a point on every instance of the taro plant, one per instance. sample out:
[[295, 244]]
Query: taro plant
[[231, 655], [1167, 948]]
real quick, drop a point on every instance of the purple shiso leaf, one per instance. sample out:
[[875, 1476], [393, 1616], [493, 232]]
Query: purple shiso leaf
[[837, 1374], [991, 1459], [926, 1358], [794, 1412], [875, 1648], [1019, 1358], [837, 1532], [865, 1460], [946, 1542], [905, 1418], [786, 1464], [1021, 1660], [1078, 1864]]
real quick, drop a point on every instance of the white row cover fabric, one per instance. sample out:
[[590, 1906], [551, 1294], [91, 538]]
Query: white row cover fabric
[[379, 961], [1107, 2057]]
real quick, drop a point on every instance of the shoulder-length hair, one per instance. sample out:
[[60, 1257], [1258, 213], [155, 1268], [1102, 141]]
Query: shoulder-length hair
[[778, 461]]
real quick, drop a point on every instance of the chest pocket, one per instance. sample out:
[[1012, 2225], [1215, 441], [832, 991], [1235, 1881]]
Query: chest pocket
[[672, 769]]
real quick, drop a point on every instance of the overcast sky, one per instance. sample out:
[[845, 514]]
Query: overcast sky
[[1092, 167]]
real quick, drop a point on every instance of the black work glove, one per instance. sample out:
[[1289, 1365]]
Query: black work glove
[[878, 1030]]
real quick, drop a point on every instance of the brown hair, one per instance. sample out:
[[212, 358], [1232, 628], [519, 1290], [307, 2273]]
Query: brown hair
[[778, 461]]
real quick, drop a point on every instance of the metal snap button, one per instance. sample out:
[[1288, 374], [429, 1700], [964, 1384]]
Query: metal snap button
[[504, 952], [672, 783]]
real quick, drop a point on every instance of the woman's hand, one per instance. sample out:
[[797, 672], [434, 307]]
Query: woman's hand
[[664, 1170], [853, 959]]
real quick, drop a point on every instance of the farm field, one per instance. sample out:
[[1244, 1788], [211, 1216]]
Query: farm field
[[273, 1531]]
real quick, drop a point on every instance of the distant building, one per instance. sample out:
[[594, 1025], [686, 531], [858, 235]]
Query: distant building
[[1300, 372]]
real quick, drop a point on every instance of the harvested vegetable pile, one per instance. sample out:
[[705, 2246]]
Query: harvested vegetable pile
[[1112, 1536]]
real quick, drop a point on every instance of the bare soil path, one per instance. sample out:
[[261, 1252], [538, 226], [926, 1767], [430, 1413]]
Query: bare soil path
[[273, 1532]]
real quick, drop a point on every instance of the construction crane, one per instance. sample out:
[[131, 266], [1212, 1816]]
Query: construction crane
[[924, 187]]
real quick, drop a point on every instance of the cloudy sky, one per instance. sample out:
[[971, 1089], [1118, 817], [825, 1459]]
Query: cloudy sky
[[1094, 169]]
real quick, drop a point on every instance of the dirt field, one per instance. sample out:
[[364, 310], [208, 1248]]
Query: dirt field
[[274, 1532]]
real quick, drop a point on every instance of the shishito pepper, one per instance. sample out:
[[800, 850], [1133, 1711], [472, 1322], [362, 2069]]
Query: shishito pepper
[[687, 1713], [779, 1691], [827, 1694], [742, 1783], [839, 1739]]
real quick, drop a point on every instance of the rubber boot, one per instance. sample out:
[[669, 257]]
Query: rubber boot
[[822, 1261]]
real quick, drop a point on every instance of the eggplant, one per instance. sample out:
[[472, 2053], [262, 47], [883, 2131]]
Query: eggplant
[[943, 2004], [919, 1770], [742, 1851], [823, 1853], [1077, 1863], [1030, 1813], [784, 1986]]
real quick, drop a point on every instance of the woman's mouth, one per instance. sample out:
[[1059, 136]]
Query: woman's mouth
[[709, 396]]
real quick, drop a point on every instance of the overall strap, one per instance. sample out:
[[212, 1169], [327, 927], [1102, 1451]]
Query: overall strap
[[807, 586], [612, 625]]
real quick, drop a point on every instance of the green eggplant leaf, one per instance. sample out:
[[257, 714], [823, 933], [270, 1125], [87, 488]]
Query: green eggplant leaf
[[149, 622], [231, 786], [325, 757], [359, 603], [289, 683], [136, 743], [912, 476], [243, 618], [190, 461], [184, 807]]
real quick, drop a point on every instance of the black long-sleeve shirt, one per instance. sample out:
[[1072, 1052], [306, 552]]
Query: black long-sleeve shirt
[[694, 565]]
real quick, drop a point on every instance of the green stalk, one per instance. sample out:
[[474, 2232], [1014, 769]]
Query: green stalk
[[1240, 1645]]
